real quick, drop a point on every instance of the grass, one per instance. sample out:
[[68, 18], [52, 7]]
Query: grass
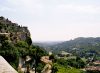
[[84, 59], [70, 57], [62, 69]]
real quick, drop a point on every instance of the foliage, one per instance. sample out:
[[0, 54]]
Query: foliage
[[28, 40], [40, 67], [61, 69], [54, 68], [68, 66], [9, 52], [22, 48], [15, 42], [83, 47], [51, 57]]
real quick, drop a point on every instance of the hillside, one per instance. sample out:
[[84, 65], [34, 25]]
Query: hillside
[[46, 44], [78, 46], [12, 30], [16, 43], [76, 43], [17, 48]]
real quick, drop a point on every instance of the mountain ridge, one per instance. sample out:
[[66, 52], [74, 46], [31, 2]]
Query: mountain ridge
[[79, 46]]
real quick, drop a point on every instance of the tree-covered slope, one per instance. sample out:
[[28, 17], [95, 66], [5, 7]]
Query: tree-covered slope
[[15, 42], [79, 45]]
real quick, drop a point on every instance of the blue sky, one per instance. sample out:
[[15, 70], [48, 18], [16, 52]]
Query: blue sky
[[55, 20]]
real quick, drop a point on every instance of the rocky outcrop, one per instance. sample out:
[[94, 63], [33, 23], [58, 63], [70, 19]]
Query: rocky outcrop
[[10, 35], [13, 31]]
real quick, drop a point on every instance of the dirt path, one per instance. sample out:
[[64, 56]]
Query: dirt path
[[48, 66]]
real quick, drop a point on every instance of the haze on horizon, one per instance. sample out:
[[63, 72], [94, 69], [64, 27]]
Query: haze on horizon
[[55, 20]]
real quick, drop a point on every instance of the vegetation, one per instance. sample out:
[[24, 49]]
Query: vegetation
[[68, 66], [77, 63], [15, 42], [57, 68], [83, 47], [11, 52]]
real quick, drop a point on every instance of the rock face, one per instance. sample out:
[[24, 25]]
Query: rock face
[[5, 67], [11, 34], [12, 30]]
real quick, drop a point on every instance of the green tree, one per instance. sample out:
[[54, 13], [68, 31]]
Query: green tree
[[29, 41], [10, 53]]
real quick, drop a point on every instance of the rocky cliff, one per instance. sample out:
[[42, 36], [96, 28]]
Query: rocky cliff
[[13, 31], [15, 41]]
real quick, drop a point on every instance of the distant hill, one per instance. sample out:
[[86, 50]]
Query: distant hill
[[77, 43], [78, 46], [46, 44]]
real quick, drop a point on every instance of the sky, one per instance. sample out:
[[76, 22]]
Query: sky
[[55, 20]]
